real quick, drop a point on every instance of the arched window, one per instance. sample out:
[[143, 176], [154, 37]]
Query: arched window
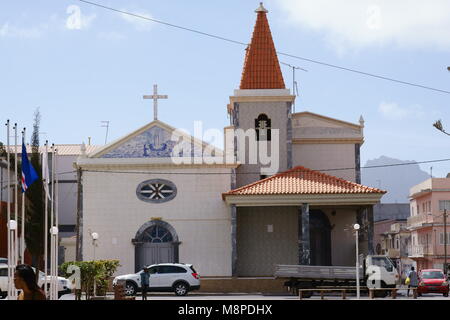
[[262, 127], [156, 234]]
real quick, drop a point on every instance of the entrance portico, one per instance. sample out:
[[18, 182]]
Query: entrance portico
[[299, 216]]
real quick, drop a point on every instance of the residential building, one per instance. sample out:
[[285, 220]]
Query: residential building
[[426, 223]]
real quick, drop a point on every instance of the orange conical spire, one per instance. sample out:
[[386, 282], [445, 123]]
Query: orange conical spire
[[261, 66]]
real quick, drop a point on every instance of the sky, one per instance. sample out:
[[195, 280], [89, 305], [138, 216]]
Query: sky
[[80, 65]]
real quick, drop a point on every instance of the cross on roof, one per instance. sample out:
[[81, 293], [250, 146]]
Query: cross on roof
[[155, 98]]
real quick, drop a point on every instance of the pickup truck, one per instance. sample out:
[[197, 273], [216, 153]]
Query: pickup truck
[[64, 285], [377, 271]]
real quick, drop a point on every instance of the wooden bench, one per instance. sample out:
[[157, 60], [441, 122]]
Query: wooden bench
[[392, 290], [322, 292]]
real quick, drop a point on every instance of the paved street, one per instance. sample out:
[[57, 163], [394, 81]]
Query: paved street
[[243, 296]]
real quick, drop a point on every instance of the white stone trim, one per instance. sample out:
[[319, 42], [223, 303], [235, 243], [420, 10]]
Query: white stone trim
[[133, 163], [314, 199]]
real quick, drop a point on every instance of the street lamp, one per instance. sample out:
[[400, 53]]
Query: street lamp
[[356, 228], [94, 236]]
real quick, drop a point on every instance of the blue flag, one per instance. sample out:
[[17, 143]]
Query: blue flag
[[29, 175]]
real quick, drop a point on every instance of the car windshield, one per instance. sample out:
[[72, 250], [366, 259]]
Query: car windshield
[[433, 275], [383, 262]]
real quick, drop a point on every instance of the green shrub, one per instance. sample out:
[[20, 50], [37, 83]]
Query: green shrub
[[98, 270]]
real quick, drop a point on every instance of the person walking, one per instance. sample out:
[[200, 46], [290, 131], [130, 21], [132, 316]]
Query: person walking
[[145, 282], [25, 280], [413, 280]]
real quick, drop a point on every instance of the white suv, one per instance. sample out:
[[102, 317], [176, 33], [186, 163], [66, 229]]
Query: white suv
[[164, 277], [64, 285]]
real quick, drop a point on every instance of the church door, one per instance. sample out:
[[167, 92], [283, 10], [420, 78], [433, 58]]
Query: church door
[[320, 237], [155, 244]]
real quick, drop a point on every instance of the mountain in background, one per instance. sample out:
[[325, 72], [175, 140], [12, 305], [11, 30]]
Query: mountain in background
[[396, 180]]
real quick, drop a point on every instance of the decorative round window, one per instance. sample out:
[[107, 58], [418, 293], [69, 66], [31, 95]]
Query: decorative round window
[[156, 191]]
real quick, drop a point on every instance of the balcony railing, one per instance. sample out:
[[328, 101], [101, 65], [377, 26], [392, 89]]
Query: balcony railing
[[420, 251], [420, 219]]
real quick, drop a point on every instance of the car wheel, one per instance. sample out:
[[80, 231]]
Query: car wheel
[[446, 294], [180, 288], [130, 289]]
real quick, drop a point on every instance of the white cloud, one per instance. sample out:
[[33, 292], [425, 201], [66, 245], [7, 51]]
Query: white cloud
[[367, 23], [393, 111], [77, 20], [138, 23], [11, 31]]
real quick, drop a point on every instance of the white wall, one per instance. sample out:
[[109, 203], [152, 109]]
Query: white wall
[[199, 215], [326, 156]]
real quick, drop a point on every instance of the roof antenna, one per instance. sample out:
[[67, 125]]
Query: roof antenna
[[294, 82], [106, 125]]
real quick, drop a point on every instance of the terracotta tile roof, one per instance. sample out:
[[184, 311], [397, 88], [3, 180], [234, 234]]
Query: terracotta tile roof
[[261, 66], [301, 180], [63, 149]]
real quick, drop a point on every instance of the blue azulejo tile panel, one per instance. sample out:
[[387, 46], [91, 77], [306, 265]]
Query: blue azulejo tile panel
[[156, 142]]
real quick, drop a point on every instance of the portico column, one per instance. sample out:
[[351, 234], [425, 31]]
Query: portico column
[[233, 241], [370, 229], [303, 236]]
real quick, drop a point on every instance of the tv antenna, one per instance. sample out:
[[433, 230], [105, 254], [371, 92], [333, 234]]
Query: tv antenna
[[294, 82], [106, 125]]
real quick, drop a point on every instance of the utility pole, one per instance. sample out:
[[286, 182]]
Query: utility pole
[[445, 241]]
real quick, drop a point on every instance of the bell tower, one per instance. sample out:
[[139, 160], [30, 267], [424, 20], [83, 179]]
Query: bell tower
[[261, 109]]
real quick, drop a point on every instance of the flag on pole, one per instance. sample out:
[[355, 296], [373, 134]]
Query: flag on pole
[[45, 174], [29, 175]]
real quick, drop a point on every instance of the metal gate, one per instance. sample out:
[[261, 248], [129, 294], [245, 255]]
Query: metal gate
[[156, 242], [152, 253]]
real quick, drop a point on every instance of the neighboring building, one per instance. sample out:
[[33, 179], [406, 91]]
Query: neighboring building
[[392, 237], [395, 242], [68, 189], [4, 180], [426, 223], [227, 218]]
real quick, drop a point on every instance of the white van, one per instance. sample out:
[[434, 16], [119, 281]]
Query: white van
[[64, 285]]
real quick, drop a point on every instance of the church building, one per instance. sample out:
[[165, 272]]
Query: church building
[[285, 189]]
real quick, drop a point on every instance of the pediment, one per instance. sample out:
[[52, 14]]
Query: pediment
[[308, 125], [155, 140]]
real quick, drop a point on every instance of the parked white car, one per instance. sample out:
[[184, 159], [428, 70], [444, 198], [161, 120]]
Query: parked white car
[[164, 277], [64, 285]]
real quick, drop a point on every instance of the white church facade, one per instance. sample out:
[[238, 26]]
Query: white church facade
[[221, 212]]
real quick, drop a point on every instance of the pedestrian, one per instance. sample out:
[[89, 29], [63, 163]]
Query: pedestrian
[[25, 280], [413, 280], [145, 282]]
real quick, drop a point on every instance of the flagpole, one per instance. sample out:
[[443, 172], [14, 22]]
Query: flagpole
[[15, 247], [45, 173], [8, 209], [56, 223], [16, 197], [22, 246], [52, 249]]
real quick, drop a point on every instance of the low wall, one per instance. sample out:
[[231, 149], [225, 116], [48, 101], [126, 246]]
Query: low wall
[[238, 285], [242, 285]]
